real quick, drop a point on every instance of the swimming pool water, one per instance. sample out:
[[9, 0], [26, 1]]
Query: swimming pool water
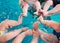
[[10, 9]]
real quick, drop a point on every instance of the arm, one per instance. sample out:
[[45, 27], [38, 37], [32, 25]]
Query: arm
[[34, 40], [20, 19], [48, 38], [21, 36], [56, 9], [37, 7], [50, 23], [12, 23], [25, 8], [10, 35], [35, 37], [15, 23], [47, 5]]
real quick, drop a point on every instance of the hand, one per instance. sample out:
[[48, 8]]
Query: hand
[[36, 13], [40, 18], [35, 25], [35, 33], [40, 11], [43, 13]]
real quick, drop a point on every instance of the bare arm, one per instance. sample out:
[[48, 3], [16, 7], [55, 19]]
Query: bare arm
[[50, 23], [20, 19], [47, 5], [38, 5], [21, 36], [56, 9], [15, 23], [35, 38], [10, 35], [47, 38]]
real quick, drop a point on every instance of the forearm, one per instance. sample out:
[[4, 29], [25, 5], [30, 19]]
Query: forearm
[[20, 19], [52, 24], [47, 5], [9, 35], [4, 42], [48, 22], [41, 32], [56, 9], [19, 38], [35, 40], [38, 5], [42, 38], [25, 9]]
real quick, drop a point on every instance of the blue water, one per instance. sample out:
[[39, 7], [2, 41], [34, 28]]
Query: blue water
[[10, 9]]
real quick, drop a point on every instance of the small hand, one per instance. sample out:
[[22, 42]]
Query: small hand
[[35, 33], [43, 13], [36, 13], [40, 18], [35, 25]]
